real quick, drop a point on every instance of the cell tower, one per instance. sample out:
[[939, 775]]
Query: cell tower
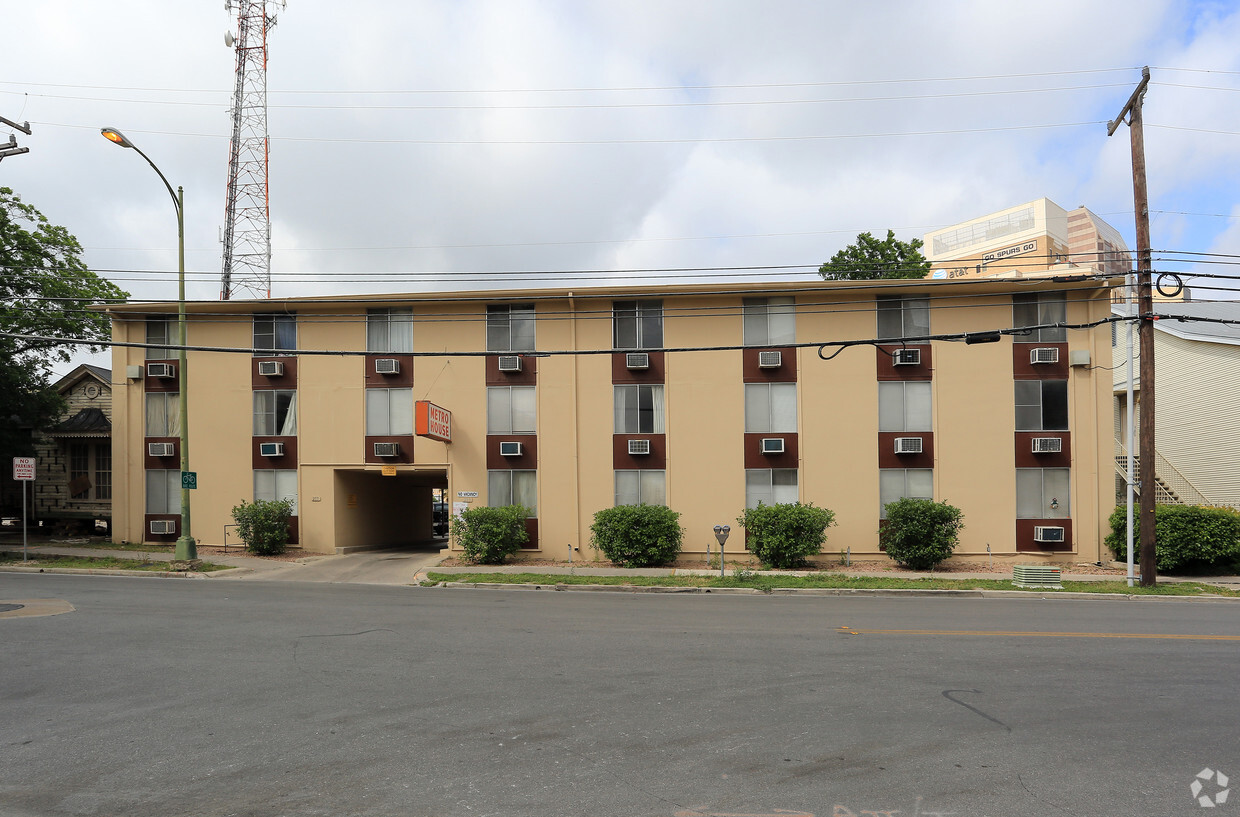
[[247, 209]]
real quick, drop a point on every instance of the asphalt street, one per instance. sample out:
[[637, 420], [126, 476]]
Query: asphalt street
[[173, 697]]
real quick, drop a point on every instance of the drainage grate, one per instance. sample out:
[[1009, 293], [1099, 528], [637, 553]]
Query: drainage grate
[[8, 608], [1036, 576]]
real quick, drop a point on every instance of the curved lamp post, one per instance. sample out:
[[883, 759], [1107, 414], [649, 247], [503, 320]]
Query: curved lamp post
[[186, 547]]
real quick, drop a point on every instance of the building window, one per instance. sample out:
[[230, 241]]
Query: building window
[[770, 486], [903, 483], [904, 406], [513, 488], [639, 409], [770, 321], [163, 492], [771, 408], [1041, 405], [637, 324], [79, 467], [1042, 493], [103, 471], [389, 412], [641, 487], [275, 413], [275, 334], [511, 410], [903, 318], [510, 328], [162, 332], [271, 486], [163, 417], [1037, 309], [389, 330]]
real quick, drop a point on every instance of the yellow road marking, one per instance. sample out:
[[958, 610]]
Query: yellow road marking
[[1035, 634]]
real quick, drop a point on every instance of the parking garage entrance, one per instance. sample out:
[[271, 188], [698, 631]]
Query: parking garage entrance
[[374, 510]]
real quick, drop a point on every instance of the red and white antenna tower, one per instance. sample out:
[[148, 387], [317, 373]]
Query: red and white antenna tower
[[247, 209]]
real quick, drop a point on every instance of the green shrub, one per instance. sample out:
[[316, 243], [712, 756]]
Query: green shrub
[[637, 535], [920, 533], [490, 535], [1186, 537], [782, 536], [263, 525]]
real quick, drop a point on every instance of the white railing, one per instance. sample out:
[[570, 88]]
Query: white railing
[[1170, 486]]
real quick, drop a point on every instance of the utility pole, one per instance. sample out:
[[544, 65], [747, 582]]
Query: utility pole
[[11, 149], [1145, 310]]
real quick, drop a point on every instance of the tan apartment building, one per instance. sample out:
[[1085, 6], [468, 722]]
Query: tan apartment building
[[706, 398], [1037, 238]]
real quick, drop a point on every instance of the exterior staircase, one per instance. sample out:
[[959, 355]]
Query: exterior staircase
[[1170, 486]]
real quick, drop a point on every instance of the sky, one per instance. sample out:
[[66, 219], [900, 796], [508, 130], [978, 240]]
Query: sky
[[439, 145]]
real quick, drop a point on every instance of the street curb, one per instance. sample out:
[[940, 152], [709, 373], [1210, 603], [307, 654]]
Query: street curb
[[828, 591], [98, 571]]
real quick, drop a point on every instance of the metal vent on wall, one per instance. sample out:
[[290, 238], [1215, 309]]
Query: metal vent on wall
[[1047, 445], [271, 449], [772, 445], [1044, 354], [906, 357], [637, 360], [1048, 534], [161, 370], [770, 360], [163, 527], [387, 449], [639, 446], [161, 449], [908, 445], [270, 368], [510, 449], [509, 363], [387, 365]]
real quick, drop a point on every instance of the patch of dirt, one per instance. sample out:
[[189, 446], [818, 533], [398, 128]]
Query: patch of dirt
[[291, 555]]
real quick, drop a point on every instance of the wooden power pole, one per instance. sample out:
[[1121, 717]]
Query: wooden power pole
[[1145, 310]]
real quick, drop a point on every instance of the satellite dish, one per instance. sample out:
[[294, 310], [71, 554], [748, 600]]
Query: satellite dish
[[228, 39]]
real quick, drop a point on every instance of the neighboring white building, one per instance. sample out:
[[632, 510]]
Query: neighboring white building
[[1197, 428]]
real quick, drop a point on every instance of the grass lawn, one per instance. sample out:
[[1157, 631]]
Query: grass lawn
[[99, 563], [825, 580]]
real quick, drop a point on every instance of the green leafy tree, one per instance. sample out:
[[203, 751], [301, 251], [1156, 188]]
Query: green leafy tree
[[45, 289], [870, 258]]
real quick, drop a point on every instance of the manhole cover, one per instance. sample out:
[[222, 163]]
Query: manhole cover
[[8, 608]]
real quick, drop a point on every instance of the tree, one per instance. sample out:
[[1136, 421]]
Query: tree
[[870, 258], [45, 289]]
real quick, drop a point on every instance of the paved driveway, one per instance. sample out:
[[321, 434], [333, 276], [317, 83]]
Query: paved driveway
[[369, 567]]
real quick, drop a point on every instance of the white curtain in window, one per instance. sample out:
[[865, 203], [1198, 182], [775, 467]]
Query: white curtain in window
[[784, 407], [1029, 493], [524, 410], [156, 415], [628, 487], [400, 334], [163, 492], [656, 399], [525, 490], [784, 486], [781, 321], [652, 487], [499, 410], [289, 427], [917, 406], [521, 329], [891, 406], [377, 413], [753, 311], [757, 407], [758, 487], [400, 411], [499, 488]]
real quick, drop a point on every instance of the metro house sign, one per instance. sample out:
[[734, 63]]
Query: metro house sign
[[432, 421]]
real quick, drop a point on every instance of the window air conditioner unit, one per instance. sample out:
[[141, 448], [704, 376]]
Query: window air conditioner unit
[[637, 360], [161, 449], [1047, 445], [772, 445], [770, 360], [271, 368], [1047, 534], [161, 370], [163, 527], [510, 449], [271, 449], [510, 363], [1044, 354], [387, 449], [906, 357], [387, 365], [639, 446], [908, 445]]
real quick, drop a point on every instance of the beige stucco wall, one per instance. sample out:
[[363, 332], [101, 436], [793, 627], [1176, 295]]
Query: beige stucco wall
[[837, 417]]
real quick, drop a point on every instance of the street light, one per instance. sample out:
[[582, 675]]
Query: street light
[[185, 548]]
